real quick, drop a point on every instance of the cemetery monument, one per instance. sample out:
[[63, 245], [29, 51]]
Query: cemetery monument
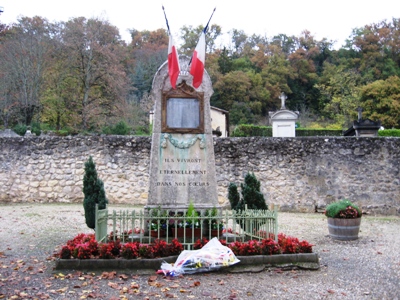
[[182, 163]]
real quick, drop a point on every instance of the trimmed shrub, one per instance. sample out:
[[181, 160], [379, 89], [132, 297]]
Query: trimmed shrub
[[121, 128], [93, 189], [247, 130], [251, 194], [20, 129], [36, 128], [389, 132], [318, 132], [233, 195]]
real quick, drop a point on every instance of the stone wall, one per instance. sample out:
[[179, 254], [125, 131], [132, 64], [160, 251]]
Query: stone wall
[[298, 174]]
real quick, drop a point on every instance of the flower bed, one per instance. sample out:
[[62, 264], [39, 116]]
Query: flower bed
[[84, 246]]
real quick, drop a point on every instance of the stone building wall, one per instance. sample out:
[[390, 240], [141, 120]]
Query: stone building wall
[[298, 174]]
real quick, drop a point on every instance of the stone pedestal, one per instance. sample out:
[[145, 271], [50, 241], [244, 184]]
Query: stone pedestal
[[182, 166], [283, 123]]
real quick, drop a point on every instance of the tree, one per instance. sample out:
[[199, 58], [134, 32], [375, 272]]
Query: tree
[[225, 62], [141, 71], [381, 101], [339, 88], [190, 37], [378, 47], [95, 61], [239, 39], [232, 87], [240, 113], [60, 97], [25, 52], [149, 40], [276, 72], [93, 189]]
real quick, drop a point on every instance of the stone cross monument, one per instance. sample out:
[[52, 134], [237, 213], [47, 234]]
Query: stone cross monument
[[182, 163], [283, 98]]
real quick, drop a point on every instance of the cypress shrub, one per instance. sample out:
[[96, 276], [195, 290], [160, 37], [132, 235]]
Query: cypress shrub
[[233, 195], [93, 190], [251, 193]]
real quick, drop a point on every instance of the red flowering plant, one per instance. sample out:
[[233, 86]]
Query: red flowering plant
[[200, 243], [269, 247], [130, 250], [285, 245], [160, 248], [145, 251], [305, 247], [109, 250], [83, 246], [81, 251], [291, 245], [251, 247], [175, 247]]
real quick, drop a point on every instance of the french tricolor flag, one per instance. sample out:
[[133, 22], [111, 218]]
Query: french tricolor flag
[[198, 61], [173, 62]]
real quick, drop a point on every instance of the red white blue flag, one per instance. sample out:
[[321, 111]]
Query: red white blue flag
[[173, 62], [173, 59], [198, 61]]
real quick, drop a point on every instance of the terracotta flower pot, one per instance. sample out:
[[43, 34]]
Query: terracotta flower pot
[[188, 232], [344, 229], [154, 233], [216, 232]]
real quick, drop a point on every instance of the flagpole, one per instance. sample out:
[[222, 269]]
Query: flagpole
[[205, 31], [205, 28], [166, 20]]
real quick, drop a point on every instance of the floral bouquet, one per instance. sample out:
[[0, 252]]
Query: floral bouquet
[[209, 258]]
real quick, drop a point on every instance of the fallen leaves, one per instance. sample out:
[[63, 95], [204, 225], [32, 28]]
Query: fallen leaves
[[108, 275]]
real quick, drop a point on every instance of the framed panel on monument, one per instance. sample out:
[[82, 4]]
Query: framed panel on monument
[[182, 110]]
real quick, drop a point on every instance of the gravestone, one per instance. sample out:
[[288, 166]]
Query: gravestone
[[182, 163], [363, 127], [283, 121]]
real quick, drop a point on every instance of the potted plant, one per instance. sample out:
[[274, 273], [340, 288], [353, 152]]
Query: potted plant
[[190, 225], [344, 219], [158, 224], [213, 223]]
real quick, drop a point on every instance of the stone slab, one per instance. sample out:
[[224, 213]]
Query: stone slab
[[254, 263]]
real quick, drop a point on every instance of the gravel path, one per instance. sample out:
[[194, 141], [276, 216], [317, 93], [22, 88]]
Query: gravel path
[[368, 268]]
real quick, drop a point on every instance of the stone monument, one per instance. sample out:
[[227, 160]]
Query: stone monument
[[363, 127], [283, 121], [182, 163]]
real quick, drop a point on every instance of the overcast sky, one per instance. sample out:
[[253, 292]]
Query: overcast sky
[[333, 20]]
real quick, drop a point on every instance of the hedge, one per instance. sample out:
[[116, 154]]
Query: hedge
[[254, 130]]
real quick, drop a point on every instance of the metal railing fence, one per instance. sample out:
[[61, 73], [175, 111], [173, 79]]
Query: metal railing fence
[[146, 225]]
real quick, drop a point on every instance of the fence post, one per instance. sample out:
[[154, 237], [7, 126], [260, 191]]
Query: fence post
[[100, 228], [96, 223], [276, 223]]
